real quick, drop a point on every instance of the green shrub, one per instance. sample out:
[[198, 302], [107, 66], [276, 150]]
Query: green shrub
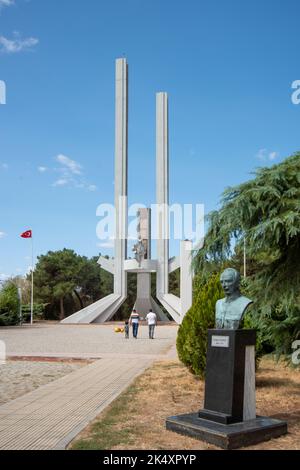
[[192, 334], [38, 312], [9, 305]]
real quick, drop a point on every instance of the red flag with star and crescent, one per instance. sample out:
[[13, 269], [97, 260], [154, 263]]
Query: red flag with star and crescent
[[27, 234]]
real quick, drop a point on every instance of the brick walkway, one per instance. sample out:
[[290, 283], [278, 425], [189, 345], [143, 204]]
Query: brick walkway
[[51, 416]]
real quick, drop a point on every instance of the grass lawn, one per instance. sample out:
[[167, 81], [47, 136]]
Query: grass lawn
[[136, 420]]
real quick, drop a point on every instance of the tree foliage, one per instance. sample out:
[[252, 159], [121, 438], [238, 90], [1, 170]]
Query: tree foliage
[[264, 211], [67, 282], [9, 304]]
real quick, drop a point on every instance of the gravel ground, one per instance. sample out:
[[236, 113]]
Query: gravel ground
[[20, 377]]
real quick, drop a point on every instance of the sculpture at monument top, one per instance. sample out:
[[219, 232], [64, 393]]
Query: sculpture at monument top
[[139, 251], [231, 309]]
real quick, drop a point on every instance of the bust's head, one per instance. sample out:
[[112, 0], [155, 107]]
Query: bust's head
[[230, 280]]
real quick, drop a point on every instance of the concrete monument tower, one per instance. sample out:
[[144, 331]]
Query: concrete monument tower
[[142, 265]]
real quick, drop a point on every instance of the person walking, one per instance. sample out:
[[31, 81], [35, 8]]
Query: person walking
[[134, 321], [126, 329], [152, 322]]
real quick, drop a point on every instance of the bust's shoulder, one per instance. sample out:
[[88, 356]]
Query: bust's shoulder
[[220, 305], [244, 300], [242, 303]]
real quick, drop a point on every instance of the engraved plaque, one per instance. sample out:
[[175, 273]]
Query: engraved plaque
[[220, 341]]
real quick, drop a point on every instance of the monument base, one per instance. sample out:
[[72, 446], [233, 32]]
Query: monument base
[[230, 436]]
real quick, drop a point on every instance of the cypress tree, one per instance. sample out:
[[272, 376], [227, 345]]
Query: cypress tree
[[192, 334]]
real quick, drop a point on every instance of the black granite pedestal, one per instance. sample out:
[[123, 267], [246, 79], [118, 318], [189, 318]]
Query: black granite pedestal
[[228, 419], [225, 375], [227, 436]]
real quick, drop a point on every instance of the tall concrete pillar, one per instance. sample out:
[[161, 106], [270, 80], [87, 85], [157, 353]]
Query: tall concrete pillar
[[162, 193], [186, 277], [121, 177], [105, 308]]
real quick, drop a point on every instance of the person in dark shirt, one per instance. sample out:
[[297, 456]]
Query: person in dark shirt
[[126, 329], [134, 321]]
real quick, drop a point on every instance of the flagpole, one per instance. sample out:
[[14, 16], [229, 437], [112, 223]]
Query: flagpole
[[31, 309], [245, 268]]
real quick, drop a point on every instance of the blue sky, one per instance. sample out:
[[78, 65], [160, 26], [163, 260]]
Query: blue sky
[[227, 66]]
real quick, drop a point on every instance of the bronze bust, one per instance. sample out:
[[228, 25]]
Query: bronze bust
[[231, 309]]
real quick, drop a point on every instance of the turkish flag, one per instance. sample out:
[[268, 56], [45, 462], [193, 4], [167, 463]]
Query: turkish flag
[[27, 234]]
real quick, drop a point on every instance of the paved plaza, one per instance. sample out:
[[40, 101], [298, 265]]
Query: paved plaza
[[52, 415], [84, 341]]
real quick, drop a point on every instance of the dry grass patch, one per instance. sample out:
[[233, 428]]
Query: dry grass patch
[[136, 420]]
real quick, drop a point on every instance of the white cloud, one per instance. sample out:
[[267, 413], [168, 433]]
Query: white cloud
[[6, 3], [108, 244], [61, 182], [42, 169], [265, 156], [273, 155], [71, 174], [72, 166], [2, 235], [12, 46]]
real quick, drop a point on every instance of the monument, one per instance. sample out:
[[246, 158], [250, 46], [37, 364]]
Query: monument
[[142, 250], [143, 265], [228, 419]]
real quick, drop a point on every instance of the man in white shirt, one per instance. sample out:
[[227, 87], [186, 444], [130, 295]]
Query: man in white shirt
[[152, 321]]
